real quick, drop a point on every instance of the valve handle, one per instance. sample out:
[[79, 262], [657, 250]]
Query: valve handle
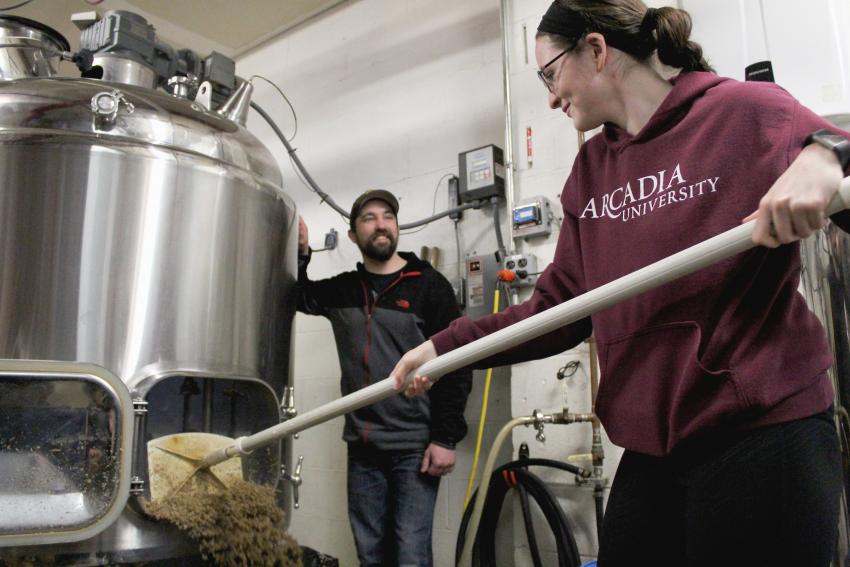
[[295, 479]]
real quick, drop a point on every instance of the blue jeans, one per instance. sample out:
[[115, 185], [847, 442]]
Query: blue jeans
[[390, 506]]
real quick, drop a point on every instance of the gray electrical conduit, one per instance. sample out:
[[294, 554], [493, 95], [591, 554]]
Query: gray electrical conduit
[[687, 261], [327, 198], [500, 243]]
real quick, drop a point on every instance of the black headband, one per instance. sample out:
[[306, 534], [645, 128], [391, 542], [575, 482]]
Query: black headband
[[563, 21], [566, 22]]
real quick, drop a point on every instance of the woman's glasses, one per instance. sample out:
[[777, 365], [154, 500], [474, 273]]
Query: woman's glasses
[[548, 79]]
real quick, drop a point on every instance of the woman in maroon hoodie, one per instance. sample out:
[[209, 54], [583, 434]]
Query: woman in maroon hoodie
[[715, 384]]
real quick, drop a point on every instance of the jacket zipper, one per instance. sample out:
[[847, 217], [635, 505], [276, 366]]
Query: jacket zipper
[[369, 308]]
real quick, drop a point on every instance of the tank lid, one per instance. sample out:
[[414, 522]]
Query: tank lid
[[106, 113], [66, 451]]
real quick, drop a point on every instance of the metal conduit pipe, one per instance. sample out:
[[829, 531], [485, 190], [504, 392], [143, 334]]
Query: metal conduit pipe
[[509, 138], [291, 151], [313, 186], [473, 205], [596, 450]]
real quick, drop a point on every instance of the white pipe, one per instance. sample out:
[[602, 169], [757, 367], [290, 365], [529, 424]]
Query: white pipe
[[481, 496], [663, 271]]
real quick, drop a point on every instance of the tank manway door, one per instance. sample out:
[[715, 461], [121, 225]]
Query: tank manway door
[[66, 434]]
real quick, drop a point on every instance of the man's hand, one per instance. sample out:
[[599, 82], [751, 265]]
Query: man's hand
[[437, 460], [412, 360], [303, 238], [795, 206]]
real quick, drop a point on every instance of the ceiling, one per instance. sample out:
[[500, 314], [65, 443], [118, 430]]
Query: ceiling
[[231, 27]]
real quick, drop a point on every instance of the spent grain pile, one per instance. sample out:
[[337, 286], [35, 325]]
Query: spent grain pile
[[240, 525]]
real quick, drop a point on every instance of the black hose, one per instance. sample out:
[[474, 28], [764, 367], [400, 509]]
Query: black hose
[[529, 526], [554, 514], [584, 473], [461, 532], [523, 495], [598, 496], [484, 554]]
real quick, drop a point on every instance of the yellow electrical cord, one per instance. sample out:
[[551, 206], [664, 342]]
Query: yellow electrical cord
[[471, 483]]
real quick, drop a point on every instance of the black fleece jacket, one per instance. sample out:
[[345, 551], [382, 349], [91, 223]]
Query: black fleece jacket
[[372, 331]]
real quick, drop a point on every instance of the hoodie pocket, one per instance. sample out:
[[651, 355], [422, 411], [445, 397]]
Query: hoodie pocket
[[655, 391]]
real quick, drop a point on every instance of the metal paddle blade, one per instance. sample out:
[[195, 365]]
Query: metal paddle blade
[[173, 465]]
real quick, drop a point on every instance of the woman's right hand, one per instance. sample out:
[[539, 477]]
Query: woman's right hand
[[795, 205], [411, 361]]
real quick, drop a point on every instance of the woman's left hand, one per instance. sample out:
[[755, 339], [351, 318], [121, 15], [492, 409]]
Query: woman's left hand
[[411, 361], [795, 206]]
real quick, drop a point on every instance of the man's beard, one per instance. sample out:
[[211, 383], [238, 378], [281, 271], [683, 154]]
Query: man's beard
[[379, 252]]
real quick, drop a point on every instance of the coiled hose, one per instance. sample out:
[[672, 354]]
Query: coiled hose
[[515, 475]]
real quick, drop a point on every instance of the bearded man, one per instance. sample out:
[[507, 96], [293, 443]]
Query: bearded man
[[398, 448]]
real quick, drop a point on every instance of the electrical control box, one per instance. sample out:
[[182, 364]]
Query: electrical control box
[[524, 267], [482, 173], [481, 276], [532, 217]]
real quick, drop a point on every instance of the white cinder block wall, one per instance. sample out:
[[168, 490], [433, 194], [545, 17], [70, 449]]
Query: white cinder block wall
[[387, 93]]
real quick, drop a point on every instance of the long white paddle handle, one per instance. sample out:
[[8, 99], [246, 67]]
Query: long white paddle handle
[[661, 272]]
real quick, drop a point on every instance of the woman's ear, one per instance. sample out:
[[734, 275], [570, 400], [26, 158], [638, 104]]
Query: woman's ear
[[598, 48]]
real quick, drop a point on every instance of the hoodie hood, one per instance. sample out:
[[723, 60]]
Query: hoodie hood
[[687, 88], [414, 264]]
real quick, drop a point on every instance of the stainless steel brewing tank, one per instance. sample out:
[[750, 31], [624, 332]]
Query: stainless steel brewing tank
[[29, 48], [148, 235]]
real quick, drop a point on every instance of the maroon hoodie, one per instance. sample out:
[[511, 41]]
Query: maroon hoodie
[[730, 347]]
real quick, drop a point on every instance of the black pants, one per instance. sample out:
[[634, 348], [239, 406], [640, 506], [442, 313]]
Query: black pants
[[766, 497]]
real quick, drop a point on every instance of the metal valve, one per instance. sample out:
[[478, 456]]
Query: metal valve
[[105, 106], [294, 478], [180, 86]]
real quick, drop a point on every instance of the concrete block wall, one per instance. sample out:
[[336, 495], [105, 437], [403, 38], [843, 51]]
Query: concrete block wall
[[387, 93], [807, 47]]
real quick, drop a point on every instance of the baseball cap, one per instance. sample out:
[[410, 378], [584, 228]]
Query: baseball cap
[[370, 195]]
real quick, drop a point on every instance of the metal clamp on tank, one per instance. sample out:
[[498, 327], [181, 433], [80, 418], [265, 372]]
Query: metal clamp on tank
[[105, 106], [180, 86], [287, 408]]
